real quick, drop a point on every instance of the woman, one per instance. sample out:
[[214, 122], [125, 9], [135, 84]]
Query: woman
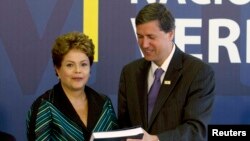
[[71, 110]]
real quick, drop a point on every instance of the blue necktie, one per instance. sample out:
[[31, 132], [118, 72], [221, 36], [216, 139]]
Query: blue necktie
[[153, 92]]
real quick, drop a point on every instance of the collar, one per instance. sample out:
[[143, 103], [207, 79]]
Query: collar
[[165, 64]]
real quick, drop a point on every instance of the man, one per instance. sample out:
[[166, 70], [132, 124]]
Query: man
[[184, 102]]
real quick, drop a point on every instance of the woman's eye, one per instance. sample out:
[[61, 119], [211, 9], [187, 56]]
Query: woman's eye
[[69, 65], [84, 64]]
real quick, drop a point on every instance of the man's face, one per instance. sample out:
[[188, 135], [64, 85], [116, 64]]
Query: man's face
[[155, 44]]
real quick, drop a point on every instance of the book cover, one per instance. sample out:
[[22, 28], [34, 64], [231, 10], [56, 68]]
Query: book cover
[[118, 135]]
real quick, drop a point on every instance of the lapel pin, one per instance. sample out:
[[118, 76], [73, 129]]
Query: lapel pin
[[167, 82]]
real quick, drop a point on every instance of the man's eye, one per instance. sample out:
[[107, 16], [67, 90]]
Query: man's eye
[[151, 37], [139, 37]]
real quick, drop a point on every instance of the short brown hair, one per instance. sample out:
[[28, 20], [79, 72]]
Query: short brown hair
[[159, 12], [72, 40]]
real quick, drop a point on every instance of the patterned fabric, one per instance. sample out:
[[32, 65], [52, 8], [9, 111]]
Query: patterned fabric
[[47, 120], [106, 121]]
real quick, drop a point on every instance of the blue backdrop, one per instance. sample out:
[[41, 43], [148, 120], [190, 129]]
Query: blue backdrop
[[216, 31]]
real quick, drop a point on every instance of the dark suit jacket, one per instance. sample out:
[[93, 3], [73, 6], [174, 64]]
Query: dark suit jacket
[[183, 107], [6, 136]]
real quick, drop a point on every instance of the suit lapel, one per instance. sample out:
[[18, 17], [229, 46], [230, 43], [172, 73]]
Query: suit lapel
[[142, 90], [170, 79]]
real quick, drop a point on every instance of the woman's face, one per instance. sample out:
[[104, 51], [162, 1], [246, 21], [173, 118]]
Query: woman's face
[[74, 71]]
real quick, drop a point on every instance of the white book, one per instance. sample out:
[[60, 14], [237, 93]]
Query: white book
[[118, 135]]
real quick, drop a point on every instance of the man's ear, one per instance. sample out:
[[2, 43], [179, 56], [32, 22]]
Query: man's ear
[[56, 70], [171, 34]]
